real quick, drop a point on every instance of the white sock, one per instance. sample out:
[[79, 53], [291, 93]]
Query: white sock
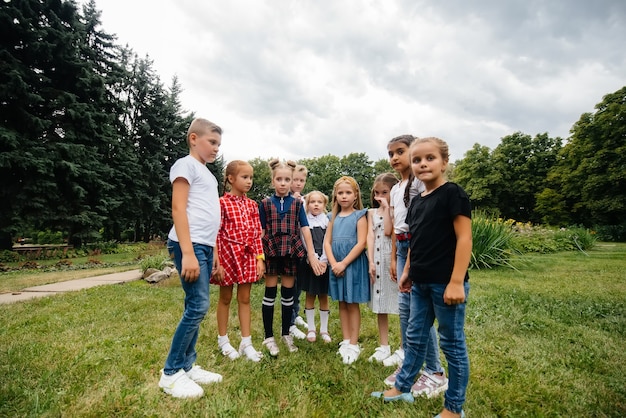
[[246, 340], [324, 321], [310, 318], [222, 339]]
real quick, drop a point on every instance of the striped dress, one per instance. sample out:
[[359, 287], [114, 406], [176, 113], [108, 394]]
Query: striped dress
[[384, 291]]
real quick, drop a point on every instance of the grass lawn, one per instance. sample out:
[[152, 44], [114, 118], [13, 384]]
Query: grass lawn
[[548, 340]]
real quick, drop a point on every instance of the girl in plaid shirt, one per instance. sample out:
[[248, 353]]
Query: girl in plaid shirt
[[282, 219], [241, 257]]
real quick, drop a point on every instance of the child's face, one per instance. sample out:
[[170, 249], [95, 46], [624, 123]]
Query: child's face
[[381, 192], [242, 182], [427, 163], [399, 157], [315, 204], [204, 147], [282, 181], [298, 182], [345, 196]]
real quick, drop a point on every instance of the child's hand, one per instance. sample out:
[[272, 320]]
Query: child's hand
[[454, 294], [338, 269], [392, 270], [372, 272], [190, 268], [316, 265], [404, 285], [260, 268], [218, 274], [384, 204]]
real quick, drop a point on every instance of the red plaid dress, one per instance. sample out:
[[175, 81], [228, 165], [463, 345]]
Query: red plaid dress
[[238, 239]]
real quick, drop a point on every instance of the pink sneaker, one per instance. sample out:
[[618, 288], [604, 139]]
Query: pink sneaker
[[429, 385]]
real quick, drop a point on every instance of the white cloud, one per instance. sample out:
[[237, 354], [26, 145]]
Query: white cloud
[[310, 78]]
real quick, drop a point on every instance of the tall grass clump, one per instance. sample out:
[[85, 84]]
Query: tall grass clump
[[530, 238], [153, 261], [491, 242]]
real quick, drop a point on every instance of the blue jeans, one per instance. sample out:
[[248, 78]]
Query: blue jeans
[[432, 361], [426, 305], [182, 353]]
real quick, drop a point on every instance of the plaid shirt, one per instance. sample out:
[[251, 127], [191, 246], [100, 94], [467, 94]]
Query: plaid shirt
[[239, 238]]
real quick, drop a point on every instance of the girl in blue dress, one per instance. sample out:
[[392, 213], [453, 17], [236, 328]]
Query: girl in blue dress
[[344, 243]]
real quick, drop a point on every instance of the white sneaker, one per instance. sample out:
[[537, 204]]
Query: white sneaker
[[272, 347], [228, 350], [380, 354], [351, 353], [301, 323], [295, 332], [395, 359], [288, 340], [342, 347], [249, 351], [179, 385], [203, 377]]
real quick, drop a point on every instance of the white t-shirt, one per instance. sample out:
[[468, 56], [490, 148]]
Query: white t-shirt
[[203, 203], [396, 201]]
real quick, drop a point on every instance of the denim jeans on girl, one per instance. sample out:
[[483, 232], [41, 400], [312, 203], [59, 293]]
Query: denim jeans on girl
[[182, 353], [433, 363], [426, 305]]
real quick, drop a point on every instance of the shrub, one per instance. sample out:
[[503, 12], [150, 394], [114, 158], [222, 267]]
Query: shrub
[[491, 242], [154, 261], [7, 256], [611, 233]]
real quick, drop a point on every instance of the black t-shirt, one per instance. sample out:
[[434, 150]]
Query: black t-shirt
[[433, 240]]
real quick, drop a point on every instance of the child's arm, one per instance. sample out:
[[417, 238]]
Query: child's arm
[[370, 246], [328, 247], [315, 264], [404, 283], [455, 292], [190, 269], [393, 266], [361, 237]]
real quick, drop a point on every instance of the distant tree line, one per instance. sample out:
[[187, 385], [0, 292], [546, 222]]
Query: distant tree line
[[88, 133]]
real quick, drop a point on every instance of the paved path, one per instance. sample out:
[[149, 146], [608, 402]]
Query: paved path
[[70, 285]]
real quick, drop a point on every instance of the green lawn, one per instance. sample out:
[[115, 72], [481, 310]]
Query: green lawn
[[546, 341]]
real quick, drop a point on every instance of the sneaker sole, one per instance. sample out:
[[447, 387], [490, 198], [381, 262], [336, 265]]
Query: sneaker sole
[[432, 394]]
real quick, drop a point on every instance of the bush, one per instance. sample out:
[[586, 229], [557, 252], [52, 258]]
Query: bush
[[611, 233], [7, 256], [154, 261], [544, 240], [491, 242]]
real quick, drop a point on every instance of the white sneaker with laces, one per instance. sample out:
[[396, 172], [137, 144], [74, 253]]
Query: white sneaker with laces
[[288, 340], [295, 332], [301, 323], [430, 385], [395, 359], [272, 347], [203, 377], [380, 354], [179, 385]]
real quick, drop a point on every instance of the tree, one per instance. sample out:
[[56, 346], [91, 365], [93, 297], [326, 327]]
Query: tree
[[590, 175], [262, 185], [476, 174]]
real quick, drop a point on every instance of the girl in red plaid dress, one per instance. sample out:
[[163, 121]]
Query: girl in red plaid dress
[[241, 257]]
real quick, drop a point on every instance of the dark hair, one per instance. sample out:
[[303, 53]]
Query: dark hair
[[406, 140], [386, 178]]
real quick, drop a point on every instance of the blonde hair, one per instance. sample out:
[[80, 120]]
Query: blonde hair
[[358, 203], [439, 143], [201, 126], [299, 168], [232, 169], [387, 179], [276, 164], [308, 196]]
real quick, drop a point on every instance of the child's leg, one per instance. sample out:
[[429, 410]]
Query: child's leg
[[404, 299], [451, 319], [267, 309], [344, 320], [309, 310], [324, 314], [182, 354], [243, 300], [286, 301], [383, 329], [354, 316], [432, 362], [223, 309]]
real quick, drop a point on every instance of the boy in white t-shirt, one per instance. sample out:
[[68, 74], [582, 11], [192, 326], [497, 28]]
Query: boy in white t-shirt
[[191, 243]]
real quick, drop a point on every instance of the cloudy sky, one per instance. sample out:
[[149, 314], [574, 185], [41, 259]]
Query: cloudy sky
[[301, 79]]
